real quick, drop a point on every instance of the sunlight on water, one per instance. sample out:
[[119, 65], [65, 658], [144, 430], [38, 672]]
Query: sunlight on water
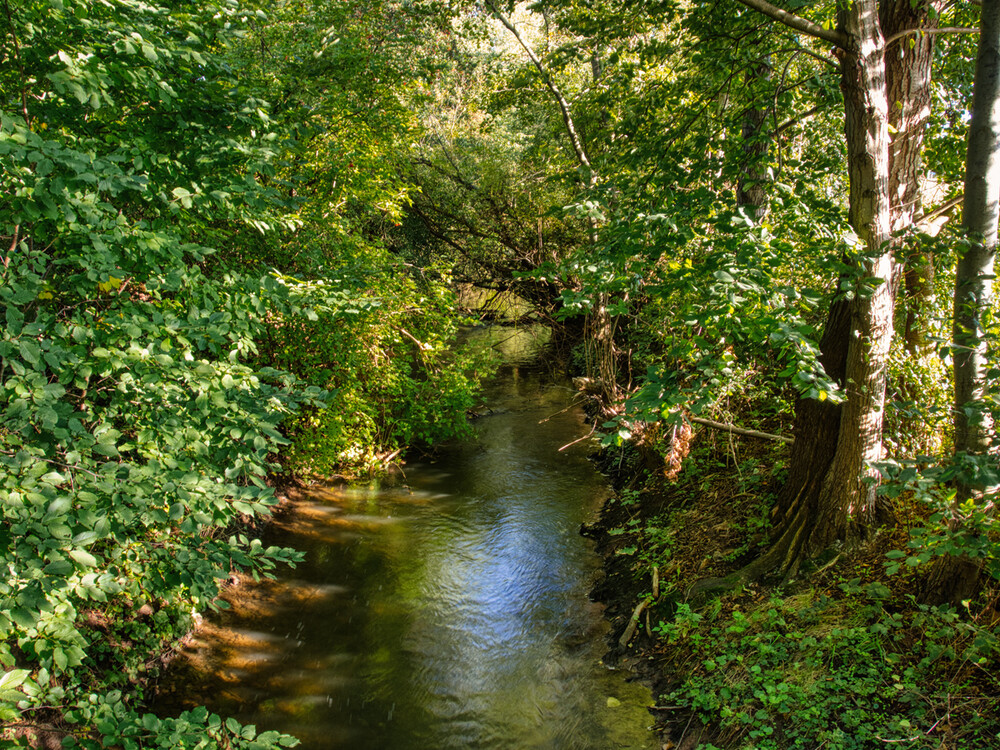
[[449, 611]]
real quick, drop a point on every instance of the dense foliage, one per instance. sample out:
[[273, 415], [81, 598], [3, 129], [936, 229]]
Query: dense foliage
[[192, 287], [228, 237]]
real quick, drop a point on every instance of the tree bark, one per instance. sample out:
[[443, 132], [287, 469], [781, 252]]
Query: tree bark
[[829, 496], [955, 578], [908, 63], [847, 492]]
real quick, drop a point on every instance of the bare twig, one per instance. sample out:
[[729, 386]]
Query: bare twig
[[739, 430], [561, 411], [942, 209], [580, 440]]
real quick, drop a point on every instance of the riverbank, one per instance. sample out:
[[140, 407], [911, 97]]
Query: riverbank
[[844, 656]]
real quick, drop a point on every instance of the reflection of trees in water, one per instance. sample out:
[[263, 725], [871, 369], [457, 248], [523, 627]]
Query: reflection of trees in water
[[450, 613]]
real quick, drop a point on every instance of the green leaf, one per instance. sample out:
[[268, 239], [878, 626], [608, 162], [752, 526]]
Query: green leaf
[[83, 557], [183, 195], [59, 658], [13, 678], [59, 568], [30, 352]]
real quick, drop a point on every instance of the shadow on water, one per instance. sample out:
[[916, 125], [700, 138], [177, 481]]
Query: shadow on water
[[448, 611]]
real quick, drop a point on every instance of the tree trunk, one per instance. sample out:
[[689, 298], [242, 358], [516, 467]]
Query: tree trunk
[[954, 578], [751, 191], [908, 67], [974, 275], [847, 493], [830, 492]]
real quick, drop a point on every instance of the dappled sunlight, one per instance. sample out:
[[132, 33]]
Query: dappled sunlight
[[449, 611]]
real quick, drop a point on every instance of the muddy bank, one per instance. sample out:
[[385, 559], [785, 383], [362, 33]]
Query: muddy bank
[[657, 536]]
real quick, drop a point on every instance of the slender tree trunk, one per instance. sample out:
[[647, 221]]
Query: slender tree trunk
[[751, 190], [956, 578], [974, 275]]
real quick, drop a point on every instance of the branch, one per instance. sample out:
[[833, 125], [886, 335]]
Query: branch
[[581, 152], [20, 63], [739, 430], [791, 122], [797, 22], [942, 209], [13, 247], [633, 622], [943, 30]]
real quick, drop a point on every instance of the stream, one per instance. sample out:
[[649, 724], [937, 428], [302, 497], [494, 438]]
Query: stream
[[446, 608]]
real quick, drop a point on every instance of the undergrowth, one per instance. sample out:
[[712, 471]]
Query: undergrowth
[[843, 672], [845, 658]]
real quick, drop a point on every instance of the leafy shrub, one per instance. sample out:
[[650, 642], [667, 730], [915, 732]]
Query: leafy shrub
[[140, 410], [844, 673]]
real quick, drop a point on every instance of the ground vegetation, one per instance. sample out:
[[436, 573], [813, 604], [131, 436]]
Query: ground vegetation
[[198, 298]]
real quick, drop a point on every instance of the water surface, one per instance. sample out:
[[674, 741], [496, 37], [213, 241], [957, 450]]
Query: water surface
[[449, 610]]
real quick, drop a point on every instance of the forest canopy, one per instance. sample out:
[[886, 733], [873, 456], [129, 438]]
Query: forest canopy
[[233, 236]]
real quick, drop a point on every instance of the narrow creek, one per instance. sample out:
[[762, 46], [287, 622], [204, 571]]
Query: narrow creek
[[447, 609]]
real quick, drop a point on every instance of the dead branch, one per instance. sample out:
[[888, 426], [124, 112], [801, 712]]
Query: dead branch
[[740, 430]]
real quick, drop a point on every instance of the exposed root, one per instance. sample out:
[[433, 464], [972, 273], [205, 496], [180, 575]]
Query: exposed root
[[783, 557]]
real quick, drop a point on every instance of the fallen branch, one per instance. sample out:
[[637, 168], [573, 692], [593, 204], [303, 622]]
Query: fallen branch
[[633, 623], [739, 430], [580, 440]]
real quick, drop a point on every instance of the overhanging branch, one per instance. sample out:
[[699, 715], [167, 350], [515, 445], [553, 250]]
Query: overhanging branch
[[942, 30], [581, 152], [798, 23]]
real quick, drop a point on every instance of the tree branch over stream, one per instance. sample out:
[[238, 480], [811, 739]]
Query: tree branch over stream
[[797, 22], [574, 137]]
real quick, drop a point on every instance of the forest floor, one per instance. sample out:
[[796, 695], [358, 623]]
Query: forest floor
[[842, 657]]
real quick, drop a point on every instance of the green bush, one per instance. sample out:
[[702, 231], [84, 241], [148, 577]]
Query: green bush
[[848, 673]]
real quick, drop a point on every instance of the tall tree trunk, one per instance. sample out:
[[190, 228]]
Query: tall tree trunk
[[974, 275], [847, 492], [908, 68], [830, 492], [956, 578]]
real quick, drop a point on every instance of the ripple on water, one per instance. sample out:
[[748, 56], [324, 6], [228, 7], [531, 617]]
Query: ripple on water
[[449, 612]]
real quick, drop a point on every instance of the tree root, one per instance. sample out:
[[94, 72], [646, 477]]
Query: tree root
[[783, 557]]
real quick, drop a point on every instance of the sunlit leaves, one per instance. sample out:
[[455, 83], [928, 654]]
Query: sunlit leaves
[[124, 366]]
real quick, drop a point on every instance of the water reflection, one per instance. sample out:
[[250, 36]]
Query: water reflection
[[447, 612]]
